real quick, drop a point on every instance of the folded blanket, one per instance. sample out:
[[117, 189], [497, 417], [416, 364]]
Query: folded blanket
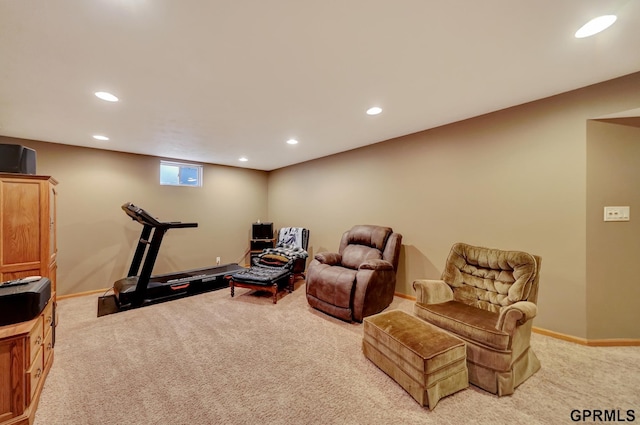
[[291, 236], [290, 251]]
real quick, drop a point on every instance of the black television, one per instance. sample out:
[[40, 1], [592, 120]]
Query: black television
[[262, 231], [17, 159]]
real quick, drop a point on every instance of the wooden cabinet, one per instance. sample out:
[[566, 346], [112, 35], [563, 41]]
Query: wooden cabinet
[[28, 227], [26, 356], [262, 237], [27, 248]]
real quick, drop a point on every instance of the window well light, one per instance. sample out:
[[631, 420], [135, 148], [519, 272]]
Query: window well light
[[595, 25], [292, 141], [374, 110], [106, 96], [100, 137]]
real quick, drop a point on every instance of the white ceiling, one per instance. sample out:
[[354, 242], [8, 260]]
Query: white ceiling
[[213, 80]]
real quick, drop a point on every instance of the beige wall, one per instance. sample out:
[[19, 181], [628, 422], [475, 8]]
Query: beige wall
[[96, 239], [514, 179], [613, 248]]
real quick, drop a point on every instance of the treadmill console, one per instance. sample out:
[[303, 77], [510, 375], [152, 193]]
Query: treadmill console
[[144, 218], [139, 215]]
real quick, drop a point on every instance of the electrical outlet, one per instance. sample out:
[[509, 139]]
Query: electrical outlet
[[217, 261], [616, 214]]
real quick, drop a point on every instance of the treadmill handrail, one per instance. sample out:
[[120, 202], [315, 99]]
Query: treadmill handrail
[[179, 224], [141, 216]]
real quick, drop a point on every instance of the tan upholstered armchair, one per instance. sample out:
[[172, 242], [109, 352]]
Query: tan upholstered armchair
[[360, 279], [487, 297]]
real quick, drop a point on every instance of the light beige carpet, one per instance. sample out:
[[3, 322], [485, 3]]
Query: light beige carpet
[[213, 359]]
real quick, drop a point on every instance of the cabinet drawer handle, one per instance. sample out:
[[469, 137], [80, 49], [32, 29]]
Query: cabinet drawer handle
[[49, 346], [38, 373], [49, 321], [38, 340]]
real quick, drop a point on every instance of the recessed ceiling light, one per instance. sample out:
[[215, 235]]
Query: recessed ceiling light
[[99, 137], [374, 110], [595, 25], [243, 159], [106, 96], [292, 141]]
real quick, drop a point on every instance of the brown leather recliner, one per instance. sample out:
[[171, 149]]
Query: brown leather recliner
[[360, 279]]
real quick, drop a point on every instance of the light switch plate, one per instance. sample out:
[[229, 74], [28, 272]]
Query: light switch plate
[[616, 214]]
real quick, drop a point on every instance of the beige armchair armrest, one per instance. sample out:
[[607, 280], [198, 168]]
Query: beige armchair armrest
[[329, 258], [516, 315], [430, 291]]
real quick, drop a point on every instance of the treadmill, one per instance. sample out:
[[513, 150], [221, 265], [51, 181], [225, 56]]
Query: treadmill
[[137, 290]]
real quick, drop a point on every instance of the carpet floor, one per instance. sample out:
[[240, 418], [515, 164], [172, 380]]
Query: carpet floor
[[213, 359]]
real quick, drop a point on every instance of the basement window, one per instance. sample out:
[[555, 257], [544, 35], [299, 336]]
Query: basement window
[[180, 174]]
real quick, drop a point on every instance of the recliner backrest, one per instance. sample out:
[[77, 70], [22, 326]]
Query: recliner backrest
[[491, 278], [368, 235], [365, 242]]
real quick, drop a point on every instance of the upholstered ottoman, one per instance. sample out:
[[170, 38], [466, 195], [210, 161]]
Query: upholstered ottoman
[[426, 361]]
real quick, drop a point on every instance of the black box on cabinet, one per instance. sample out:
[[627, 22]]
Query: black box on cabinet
[[21, 302], [262, 231], [17, 159]]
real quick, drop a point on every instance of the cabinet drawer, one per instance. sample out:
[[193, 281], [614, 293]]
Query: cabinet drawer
[[47, 313], [47, 347], [35, 339], [34, 374]]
